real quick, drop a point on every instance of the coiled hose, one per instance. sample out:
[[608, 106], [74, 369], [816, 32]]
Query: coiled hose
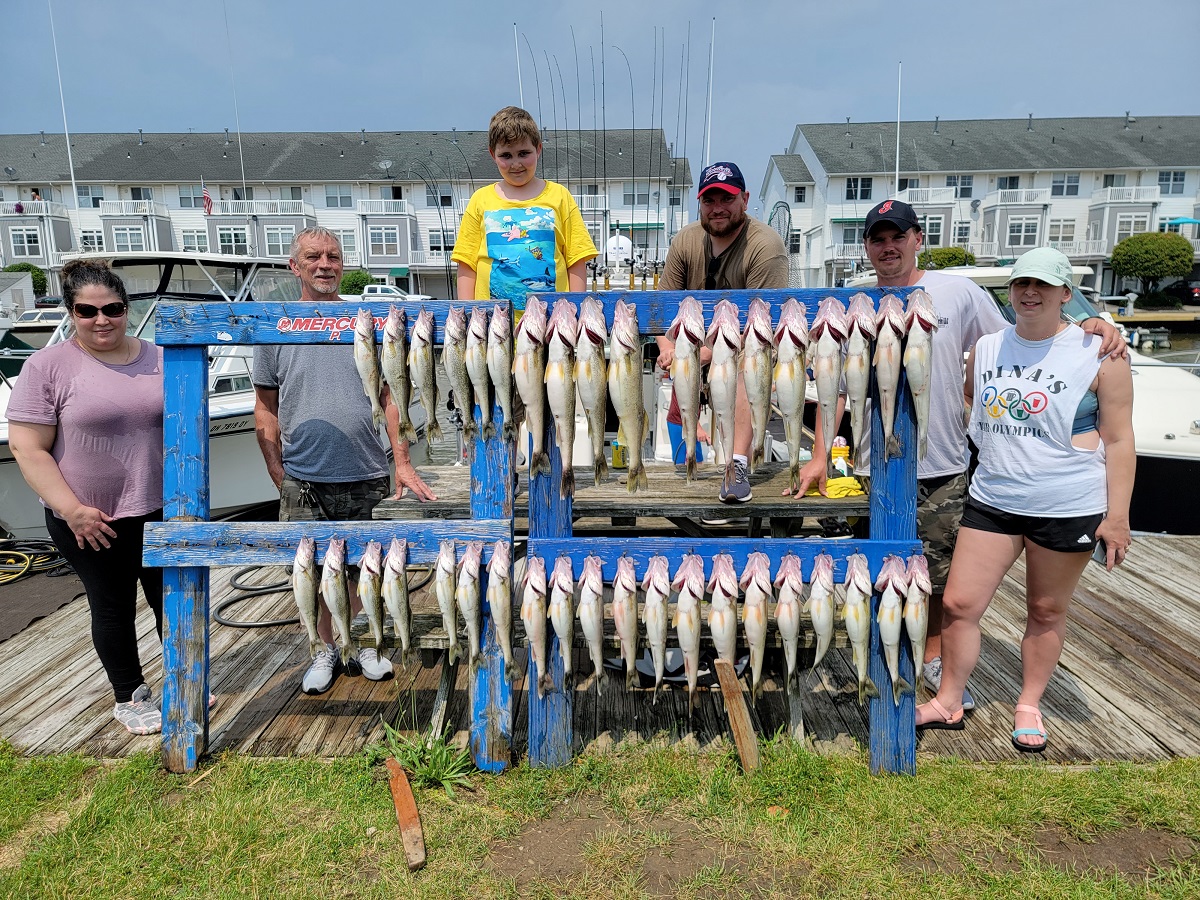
[[23, 559]]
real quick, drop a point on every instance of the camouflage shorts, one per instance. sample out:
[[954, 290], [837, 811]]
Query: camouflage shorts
[[939, 508], [314, 501]]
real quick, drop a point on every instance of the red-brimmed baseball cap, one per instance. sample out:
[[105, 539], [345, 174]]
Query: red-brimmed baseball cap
[[724, 175]]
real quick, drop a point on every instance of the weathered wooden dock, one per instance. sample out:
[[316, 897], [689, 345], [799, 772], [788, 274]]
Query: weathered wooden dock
[[1128, 687]]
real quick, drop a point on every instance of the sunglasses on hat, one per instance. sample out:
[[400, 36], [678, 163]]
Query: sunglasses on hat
[[110, 310]]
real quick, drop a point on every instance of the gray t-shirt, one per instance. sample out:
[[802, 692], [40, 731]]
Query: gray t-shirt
[[324, 414]]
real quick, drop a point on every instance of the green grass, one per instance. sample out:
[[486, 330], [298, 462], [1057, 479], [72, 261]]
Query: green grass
[[801, 826]]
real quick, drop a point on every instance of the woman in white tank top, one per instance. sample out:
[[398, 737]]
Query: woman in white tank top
[[1054, 481]]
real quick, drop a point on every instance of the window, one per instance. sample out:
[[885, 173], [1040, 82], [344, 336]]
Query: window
[[90, 195], [293, 192], [1130, 224], [141, 193], [232, 240], [349, 240], [1022, 231], [1114, 180], [988, 231], [91, 240], [1174, 229], [858, 188], [246, 193], [675, 198], [128, 237], [962, 233], [1064, 184], [438, 195], [1061, 231], [26, 242], [633, 195], [385, 240], [279, 239], [195, 239], [191, 196], [1170, 183], [794, 244], [800, 193], [852, 233], [932, 226], [963, 185], [1008, 182], [337, 196], [905, 183], [441, 240]]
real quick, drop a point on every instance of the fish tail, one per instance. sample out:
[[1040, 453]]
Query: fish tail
[[566, 487], [315, 647], [793, 477], [377, 416], [539, 464], [469, 427], [545, 684], [893, 446], [643, 480], [921, 447], [631, 679], [599, 469], [454, 654], [508, 430], [489, 430], [866, 688], [409, 432], [757, 453], [690, 467], [510, 670], [433, 429], [899, 687], [654, 696]]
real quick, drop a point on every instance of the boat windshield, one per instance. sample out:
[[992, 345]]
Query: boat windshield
[[190, 279]]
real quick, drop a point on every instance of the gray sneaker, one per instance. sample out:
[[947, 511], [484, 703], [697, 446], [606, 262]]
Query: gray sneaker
[[321, 671], [374, 667], [932, 673], [139, 715], [739, 490]]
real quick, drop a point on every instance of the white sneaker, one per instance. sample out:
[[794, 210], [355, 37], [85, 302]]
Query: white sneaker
[[140, 715], [932, 673], [321, 672], [374, 667]]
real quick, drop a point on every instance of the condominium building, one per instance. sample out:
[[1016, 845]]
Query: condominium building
[[394, 198], [996, 187]]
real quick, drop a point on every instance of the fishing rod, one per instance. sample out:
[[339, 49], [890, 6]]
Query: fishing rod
[[566, 123], [554, 110], [536, 82]]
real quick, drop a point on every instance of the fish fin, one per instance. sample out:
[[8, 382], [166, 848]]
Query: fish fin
[[409, 432], [899, 687], [793, 477], [675, 619], [893, 446], [756, 457], [922, 446], [433, 430], [631, 676], [690, 468], [453, 654], [643, 479], [489, 431], [868, 689], [566, 487], [599, 469]]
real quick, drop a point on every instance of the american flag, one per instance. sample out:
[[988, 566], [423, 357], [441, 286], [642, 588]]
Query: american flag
[[207, 198]]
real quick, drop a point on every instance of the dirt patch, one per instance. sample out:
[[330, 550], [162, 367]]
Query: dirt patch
[[1128, 852], [20, 842]]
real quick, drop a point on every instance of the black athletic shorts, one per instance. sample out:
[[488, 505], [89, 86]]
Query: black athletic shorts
[[1076, 534]]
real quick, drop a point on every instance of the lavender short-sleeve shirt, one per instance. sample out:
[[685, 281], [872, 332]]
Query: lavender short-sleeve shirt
[[109, 443]]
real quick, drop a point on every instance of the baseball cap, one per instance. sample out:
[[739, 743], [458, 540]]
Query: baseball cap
[[724, 175], [893, 212], [1045, 264]]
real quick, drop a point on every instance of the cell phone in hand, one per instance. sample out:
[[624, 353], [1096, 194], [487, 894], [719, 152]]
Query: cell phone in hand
[[1100, 553]]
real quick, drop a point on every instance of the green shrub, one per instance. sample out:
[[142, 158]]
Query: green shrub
[[1157, 300], [354, 281], [1152, 256], [38, 276], [945, 257]]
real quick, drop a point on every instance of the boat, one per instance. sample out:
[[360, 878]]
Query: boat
[[35, 326]]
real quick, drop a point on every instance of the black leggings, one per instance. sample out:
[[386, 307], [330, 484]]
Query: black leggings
[[111, 577]]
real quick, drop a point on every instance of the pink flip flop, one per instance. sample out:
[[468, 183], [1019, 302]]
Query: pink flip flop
[[1040, 731], [934, 716]]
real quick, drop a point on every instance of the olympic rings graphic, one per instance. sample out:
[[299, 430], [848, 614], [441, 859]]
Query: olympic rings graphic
[[1011, 401]]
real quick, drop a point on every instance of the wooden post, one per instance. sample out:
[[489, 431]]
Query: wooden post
[[185, 589], [744, 735]]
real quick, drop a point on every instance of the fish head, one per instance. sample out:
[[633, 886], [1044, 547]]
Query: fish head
[[424, 330], [891, 574], [625, 334], [372, 558], [500, 328], [593, 568], [563, 576], [757, 571], [919, 311], [891, 314], [591, 321], [917, 572], [364, 325], [305, 552], [691, 566], [793, 324], [758, 321], [456, 325], [397, 556], [689, 321], [396, 326], [533, 323], [477, 328], [335, 553], [657, 574], [446, 558], [831, 317], [862, 315], [822, 570], [724, 326], [626, 578], [723, 576], [789, 571], [535, 574], [563, 323], [469, 565], [501, 560]]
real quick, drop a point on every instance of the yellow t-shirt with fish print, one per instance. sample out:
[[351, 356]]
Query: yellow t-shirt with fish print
[[521, 247]]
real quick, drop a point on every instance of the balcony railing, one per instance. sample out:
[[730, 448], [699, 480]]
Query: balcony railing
[[1081, 248], [592, 201], [351, 258], [1146, 194], [31, 208], [133, 208], [1018, 197], [385, 207], [926, 196], [263, 208], [1195, 244], [849, 251], [982, 249]]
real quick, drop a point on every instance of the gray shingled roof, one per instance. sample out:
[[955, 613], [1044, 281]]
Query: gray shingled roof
[[330, 156], [792, 169], [8, 279], [975, 145]]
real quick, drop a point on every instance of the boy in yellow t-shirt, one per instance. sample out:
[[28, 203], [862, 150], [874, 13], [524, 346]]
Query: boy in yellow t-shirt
[[522, 235]]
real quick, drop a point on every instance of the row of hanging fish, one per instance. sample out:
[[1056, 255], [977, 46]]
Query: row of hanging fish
[[904, 590]]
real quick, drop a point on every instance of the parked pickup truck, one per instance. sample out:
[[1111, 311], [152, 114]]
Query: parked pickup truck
[[384, 291]]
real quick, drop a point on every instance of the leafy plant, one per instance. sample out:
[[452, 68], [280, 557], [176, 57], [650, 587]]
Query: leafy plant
[[1152, 256], [431, 762], [354, 281], [38, 275], [944, 257]]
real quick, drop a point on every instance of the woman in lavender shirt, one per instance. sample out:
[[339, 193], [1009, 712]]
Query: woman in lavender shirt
[[86, 428]]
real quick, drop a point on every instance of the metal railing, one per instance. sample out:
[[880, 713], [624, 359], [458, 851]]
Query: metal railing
[[1018, 197], [31, 208], [1145, 194], [849, 251], [925, 196], [262, 208], [1081, 248], [592, 201], [133, 208], [385, 207]]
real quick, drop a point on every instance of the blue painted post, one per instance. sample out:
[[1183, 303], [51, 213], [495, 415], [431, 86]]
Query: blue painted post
[[185, 589], [551, 722], [893, 745]]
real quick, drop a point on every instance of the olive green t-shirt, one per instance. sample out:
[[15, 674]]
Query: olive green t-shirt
[[755, 260]]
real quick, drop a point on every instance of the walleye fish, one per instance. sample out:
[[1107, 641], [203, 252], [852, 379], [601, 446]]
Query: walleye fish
[[395, 368], [499, 598], [857, 614], [689, 582], [533, 615], [916, 607], [562, 611], [757, 343], [921, 322], [687, 331], [725, 338], [790, 582], [858, 367], [591, 377], [477, 368], [366, 360], [500, 366], [625, 389], [454, 361], [591, 614], [304, 587], [420, 365], [443, 589], [337, 595], [370, 589], [395, 596], [820, 603], [529, 376], [561, 336], [756, 585], [466, 597], [893, 586], [791, 345], [826, 337], [625, 616], [657, 586], [890, 330], [722, 612]]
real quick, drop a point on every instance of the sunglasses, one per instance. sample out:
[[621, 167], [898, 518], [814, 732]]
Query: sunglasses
[[710, 276], [110, 310]]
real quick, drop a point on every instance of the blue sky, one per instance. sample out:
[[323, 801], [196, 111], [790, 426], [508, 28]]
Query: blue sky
[[164, 65]]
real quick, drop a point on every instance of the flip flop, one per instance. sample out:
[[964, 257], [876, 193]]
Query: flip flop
[[1040, 731], [940, 717]]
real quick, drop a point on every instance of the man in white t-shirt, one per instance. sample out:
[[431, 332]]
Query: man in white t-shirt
[[965, 313]]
